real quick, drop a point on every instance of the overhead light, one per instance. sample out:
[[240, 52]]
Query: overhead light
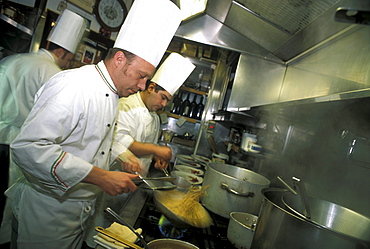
[[191, 8]]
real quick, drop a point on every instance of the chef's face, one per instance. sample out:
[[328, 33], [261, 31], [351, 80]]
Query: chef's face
[[65, 61], [157, 100], [131, 75]]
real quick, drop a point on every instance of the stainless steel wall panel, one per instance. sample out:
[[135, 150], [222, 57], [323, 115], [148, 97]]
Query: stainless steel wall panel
[[341, 67], [218, 9], [257, 82]]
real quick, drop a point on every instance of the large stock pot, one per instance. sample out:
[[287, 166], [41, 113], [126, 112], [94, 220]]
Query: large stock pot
[[232, 189], [278, 227]]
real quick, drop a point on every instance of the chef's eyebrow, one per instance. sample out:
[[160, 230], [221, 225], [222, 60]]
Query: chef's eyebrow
[[165, 96]]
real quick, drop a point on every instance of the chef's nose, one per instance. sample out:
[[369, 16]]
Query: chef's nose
[[141, 84]]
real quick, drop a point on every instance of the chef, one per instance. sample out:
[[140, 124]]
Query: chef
[[64, 145], [138, 123], [21, 76]]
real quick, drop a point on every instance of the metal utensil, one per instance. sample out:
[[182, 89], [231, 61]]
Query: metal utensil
[[165, 171], [118, 218], [303, 194], [287, 185]]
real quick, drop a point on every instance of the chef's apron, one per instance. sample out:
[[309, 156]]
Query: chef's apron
[[62, 231]]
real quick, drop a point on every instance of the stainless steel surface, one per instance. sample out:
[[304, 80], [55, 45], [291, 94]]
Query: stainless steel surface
[[330, 216], [243, 192], [277, 228], [170, 244], [120, 220], [248, 26], [240, 230], [257, 82]]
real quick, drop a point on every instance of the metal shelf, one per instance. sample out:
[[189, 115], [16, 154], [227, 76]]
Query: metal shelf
[[16, 25]]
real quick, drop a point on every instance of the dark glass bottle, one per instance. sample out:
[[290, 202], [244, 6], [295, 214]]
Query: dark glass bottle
[[185, 106], [193, 107], [177, 108], [200, 109], [176, 102]]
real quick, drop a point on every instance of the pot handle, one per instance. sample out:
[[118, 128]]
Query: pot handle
[[233, 191]]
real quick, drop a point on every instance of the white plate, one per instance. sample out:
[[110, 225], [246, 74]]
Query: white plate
[[202, 159], [193, 179], [194, 165], [186, 158], [190, 170]]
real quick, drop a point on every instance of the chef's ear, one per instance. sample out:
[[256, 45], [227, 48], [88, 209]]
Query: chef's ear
[[151, 87], [119, 58]]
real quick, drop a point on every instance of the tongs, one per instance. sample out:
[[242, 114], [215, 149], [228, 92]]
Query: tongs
[[147, 180]]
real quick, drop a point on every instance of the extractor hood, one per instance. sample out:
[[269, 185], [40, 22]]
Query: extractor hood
[[274, 30]]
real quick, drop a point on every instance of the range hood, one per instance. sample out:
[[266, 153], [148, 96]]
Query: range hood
[[278, 31]]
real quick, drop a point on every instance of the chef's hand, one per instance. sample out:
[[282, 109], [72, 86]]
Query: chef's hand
[[111, 182], [160, 163], [164, 152], [129, 162]]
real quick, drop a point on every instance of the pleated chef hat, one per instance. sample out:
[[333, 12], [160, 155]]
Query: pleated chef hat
[[68, 31], [148, 29], [173, 72]]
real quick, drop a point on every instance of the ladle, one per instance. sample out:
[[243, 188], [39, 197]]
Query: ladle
[[118, 218], [303, 195]]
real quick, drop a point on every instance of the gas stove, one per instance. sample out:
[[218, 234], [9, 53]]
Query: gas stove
[[156, 226]]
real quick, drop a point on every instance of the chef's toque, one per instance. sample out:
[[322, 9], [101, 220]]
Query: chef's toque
[[148, 29], [68, 31], [173, 72]]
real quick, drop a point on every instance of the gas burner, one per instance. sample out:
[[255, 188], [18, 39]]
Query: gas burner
[[169, 230]]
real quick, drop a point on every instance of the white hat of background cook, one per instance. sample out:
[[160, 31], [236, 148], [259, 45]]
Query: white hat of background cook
[[173, 72], [68, 30], [148, 29]]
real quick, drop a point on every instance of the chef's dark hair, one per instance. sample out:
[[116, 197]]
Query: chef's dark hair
[[112, 51], [53, 46], [157, 87]]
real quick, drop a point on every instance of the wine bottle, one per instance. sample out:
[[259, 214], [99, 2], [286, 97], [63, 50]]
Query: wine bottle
[[185, 106], [193, 107], [200, 109], [177, 108], [176, 102]]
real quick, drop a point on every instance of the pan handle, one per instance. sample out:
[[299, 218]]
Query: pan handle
[[233, 191]]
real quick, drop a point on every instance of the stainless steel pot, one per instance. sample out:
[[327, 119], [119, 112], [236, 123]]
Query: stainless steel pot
[[330, 216], [278, 228], [232, 189], [240, 229], [170, 244]]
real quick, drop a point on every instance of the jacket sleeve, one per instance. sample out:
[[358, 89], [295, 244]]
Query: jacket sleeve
[[37, 149], [125, 129]]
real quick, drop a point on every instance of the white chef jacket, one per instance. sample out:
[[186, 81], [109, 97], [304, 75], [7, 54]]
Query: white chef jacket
[[21, 76], [68, 131], [135, 123]]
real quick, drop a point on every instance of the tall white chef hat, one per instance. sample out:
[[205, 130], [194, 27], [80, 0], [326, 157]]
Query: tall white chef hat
[[148, 29], [68, 30], [173, 72]]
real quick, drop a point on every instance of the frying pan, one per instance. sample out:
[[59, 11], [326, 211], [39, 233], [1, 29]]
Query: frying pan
[[161, 197]]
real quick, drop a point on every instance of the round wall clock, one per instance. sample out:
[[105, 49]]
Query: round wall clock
[[110, 13]]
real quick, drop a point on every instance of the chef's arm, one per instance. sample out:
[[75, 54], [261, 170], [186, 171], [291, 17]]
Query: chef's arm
[[143, 149], [112, 182]]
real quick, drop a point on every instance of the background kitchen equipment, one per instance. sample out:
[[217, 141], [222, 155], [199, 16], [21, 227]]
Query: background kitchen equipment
[[240, 230], [278, 228], [232, 189]]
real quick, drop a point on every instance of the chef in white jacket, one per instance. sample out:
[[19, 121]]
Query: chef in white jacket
[[21, 76], [64, 145], [138, 124]]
